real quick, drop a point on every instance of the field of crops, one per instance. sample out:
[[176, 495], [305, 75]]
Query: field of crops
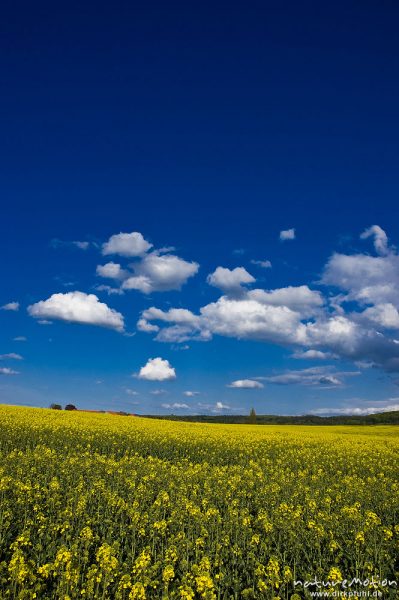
[[101, 506]]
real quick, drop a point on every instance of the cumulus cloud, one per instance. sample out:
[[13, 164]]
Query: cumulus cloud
[[111, 270], [246, 384], [287, 234], [11, 356], [380, 238], [7, 371], [265, 264], [364, 279], [157, 273], [126, 244], [230, 281], [253, 317], [385, 315], [157, 369], [247, 318], [185, 326], [20, 338], [190, 394], [258, 314], [13, 306], [300, 299], [78, 307]]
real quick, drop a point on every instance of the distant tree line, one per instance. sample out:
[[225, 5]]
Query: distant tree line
[[59, 407], [386, 418]]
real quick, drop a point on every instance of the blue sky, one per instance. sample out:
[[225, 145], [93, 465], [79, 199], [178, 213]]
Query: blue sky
[[200, 133]]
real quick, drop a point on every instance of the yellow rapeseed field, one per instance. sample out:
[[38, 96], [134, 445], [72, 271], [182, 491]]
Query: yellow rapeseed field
[[99, 506]]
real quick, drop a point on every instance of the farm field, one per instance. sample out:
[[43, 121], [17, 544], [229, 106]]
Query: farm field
[[101, 506]]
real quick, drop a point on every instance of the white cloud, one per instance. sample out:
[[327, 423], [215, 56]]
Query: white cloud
[[301, 299], [249, 319], [158, 392], [356, 410], [11, 356], [287, 234], [220, 406], [380, 239], [144, 325], [81, 245], [246, 384], [365, 279], [111, 270], [20, 338], [14, 306], [313, 355], [111, 291], [319, 376], [7, 371], [178, 405], [126, 244], [265, 264], [186, 324], [155, 273], [190, 394], [180, 316], [230, 281], [386, 315], [270, 316], [131, 392], [157, 369], [301, 318], [78, 307]]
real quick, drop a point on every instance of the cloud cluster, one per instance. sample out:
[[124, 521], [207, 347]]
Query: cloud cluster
[[152, 271], [77, 307], [360, 321], [155, 270]]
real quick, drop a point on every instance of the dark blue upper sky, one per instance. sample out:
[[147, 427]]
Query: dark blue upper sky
[[209, 127]]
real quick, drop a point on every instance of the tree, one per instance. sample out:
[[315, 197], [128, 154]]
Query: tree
[[56, 406], [252, 417], [70, 407]]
